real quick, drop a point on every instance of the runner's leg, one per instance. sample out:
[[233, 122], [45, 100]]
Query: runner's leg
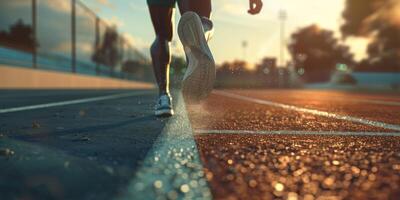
[[201, 7], [195, 30], [161, 16]]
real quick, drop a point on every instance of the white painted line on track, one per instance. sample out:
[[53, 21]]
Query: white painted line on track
[[372, 101], [311, 111], [380, 102], [71, 102], [172, 168], [288, 132]]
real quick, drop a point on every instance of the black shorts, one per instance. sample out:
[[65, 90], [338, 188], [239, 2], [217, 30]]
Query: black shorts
[[166, 3]]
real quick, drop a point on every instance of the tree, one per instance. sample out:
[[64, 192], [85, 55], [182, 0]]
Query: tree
[[380, 21], [178, 66], [20, 36], [266, 66], [234, 68], [317, 52], [108, 51]]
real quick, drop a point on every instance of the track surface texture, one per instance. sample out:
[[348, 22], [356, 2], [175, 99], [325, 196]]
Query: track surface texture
[[237, 144], [297, 155]]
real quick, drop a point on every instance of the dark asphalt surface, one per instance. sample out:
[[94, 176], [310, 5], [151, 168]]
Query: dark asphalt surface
[[93, 150], [82, 151]]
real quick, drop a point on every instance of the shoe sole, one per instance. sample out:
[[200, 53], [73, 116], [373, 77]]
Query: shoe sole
[[199, 78], [164, 113]]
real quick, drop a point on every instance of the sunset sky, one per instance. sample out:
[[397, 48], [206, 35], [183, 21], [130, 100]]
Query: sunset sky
[[233, 25]]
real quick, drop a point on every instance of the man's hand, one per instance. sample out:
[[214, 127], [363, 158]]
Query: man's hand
[[255, 6]]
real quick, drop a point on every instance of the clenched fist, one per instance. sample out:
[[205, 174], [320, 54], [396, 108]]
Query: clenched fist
[[255, 6]]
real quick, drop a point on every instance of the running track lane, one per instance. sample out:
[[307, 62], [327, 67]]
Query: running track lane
[[253, 148]]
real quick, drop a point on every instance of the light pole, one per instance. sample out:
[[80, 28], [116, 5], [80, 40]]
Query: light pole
[[282, 17], [244, 46]]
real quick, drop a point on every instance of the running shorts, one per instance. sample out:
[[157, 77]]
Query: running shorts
[[166, 3]]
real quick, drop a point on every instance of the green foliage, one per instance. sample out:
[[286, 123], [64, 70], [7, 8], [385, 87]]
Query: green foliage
[[108, 52], [178, 66], [20, 36], [317, 52], [379, 21]]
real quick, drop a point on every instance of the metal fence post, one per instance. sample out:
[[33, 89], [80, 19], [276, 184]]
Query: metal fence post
[[73, 35], [34, 34], [97, 29]]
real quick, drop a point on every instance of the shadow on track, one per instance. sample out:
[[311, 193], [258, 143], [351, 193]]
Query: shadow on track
[[90, 162]]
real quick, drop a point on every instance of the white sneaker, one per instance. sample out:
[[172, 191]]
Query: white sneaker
[[199, 77], [164, 106]]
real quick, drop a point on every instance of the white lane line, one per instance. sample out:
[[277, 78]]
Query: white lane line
[[76, 101], [311, 111], [288, 132], [172, 168], [379, 102]]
